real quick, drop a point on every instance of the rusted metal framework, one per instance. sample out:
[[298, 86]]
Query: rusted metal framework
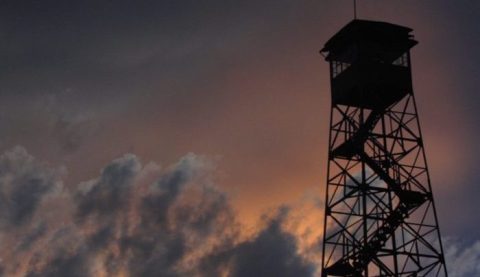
[[380, 217]]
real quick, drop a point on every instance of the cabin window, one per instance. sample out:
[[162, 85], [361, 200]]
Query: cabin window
[[402, 60], [338, 67]]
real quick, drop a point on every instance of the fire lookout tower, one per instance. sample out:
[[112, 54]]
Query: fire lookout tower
[[380, 217]]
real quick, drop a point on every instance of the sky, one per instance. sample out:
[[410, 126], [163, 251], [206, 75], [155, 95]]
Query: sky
[[189, 138]]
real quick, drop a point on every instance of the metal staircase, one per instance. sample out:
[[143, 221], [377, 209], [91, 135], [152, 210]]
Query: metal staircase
[[353, 263]]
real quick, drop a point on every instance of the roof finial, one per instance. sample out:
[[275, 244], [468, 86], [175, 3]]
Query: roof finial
[[354, 9]]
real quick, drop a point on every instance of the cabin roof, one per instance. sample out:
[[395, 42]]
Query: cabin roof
[[372, 31]]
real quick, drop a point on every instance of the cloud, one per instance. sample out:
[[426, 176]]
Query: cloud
[[272, 252], [144, 220], [135, 220], [182, 217], [64, 265], [24, 182], [110, 193], [461, 257], [31, 237]]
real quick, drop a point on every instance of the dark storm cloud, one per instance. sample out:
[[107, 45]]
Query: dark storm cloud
[[272, 252], [23, 184], [28, 240], [172, 227], [64, 265], [151, 250], [68, 254], [178, 225], [462, 257], [167, 188], [111, 192]]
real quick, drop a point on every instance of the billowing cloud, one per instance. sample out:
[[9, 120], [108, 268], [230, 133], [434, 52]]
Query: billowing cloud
[[136, 220], [111, 192], [144, 220], [462, 258], [24, 182], [272, 252]]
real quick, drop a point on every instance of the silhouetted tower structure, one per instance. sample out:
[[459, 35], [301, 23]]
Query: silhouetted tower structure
[[380, 217]]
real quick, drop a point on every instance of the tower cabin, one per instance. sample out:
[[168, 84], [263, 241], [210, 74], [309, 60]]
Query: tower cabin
[[370, 64]]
